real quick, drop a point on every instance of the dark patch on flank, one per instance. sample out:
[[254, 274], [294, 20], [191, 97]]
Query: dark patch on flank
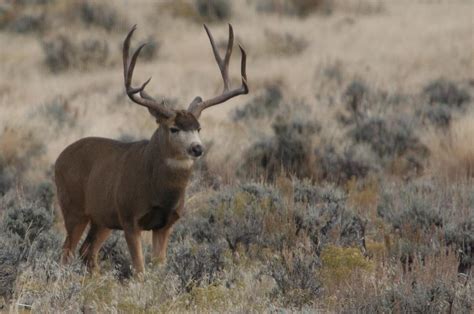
[[186, 121]]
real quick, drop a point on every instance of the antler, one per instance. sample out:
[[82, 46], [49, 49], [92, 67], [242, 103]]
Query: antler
[[198, 105], [144, 99]]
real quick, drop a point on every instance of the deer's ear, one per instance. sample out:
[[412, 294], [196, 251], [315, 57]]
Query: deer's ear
[[160, 118], [193, 105]]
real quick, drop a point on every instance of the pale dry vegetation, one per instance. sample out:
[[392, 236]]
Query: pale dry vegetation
[[342, 183]]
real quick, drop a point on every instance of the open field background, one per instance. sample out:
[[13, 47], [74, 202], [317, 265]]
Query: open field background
[[341, 183]]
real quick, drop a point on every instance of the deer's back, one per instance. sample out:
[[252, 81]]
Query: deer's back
[[89, 157]]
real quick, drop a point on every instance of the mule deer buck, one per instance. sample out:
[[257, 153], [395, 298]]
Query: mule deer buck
[[135, 186]]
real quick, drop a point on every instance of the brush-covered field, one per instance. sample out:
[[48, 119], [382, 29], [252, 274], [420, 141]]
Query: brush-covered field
[[342, 183]]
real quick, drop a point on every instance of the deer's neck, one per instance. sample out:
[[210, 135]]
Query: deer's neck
[[167, 171]]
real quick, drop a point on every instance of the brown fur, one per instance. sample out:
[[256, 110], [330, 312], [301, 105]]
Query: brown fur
[[186, 121], [114, 185]]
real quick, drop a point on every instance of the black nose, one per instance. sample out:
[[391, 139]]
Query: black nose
[[196, 150]]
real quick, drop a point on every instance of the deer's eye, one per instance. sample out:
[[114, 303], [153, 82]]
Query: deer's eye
[[199, 130], [174, 130]]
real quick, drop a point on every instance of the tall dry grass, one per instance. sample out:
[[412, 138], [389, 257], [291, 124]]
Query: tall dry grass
[[452, 150]]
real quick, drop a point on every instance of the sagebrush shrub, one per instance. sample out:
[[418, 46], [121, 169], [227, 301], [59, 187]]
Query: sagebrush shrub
[[388, 138], [151, 50], [99, 14], [437, 114], [290, 149], [216, 10], [461, 236], [25, 235], [300, 8], [19, 147], [62, 53], [59, 112], [328, 220], [235, 217], [445, 92], [296, 276], [59, 53], [28, 23], [196, 264], [356, 101], [115, 252], [264, 105], [26, 222], [6, 177], [419, 298], [355, 161], [11, 254], [425, 220], [284, 44]]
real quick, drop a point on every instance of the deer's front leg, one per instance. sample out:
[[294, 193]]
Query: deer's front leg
[[160, 239], [160, 243], [132, 236]]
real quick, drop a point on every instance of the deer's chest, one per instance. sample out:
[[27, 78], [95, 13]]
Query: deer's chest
[[159, 215]]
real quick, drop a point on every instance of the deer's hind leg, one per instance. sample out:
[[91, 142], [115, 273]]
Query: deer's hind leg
[[75, 219], [74, 231], [92, 244]]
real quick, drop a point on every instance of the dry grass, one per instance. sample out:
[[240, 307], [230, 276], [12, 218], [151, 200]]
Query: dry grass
[[385, 235], [452, 151]]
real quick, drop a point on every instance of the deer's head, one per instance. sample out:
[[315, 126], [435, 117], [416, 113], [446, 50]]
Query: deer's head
[[180, 128]]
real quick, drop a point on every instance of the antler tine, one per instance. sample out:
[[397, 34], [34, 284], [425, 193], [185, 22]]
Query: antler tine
[[223, 64], [228, 53], [243, 69], [126, 48], [196, 107], [128, 67]]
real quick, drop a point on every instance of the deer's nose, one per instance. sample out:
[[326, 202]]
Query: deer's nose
[[196, 150]]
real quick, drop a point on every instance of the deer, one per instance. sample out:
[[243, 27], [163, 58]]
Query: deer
[[138, 186]]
